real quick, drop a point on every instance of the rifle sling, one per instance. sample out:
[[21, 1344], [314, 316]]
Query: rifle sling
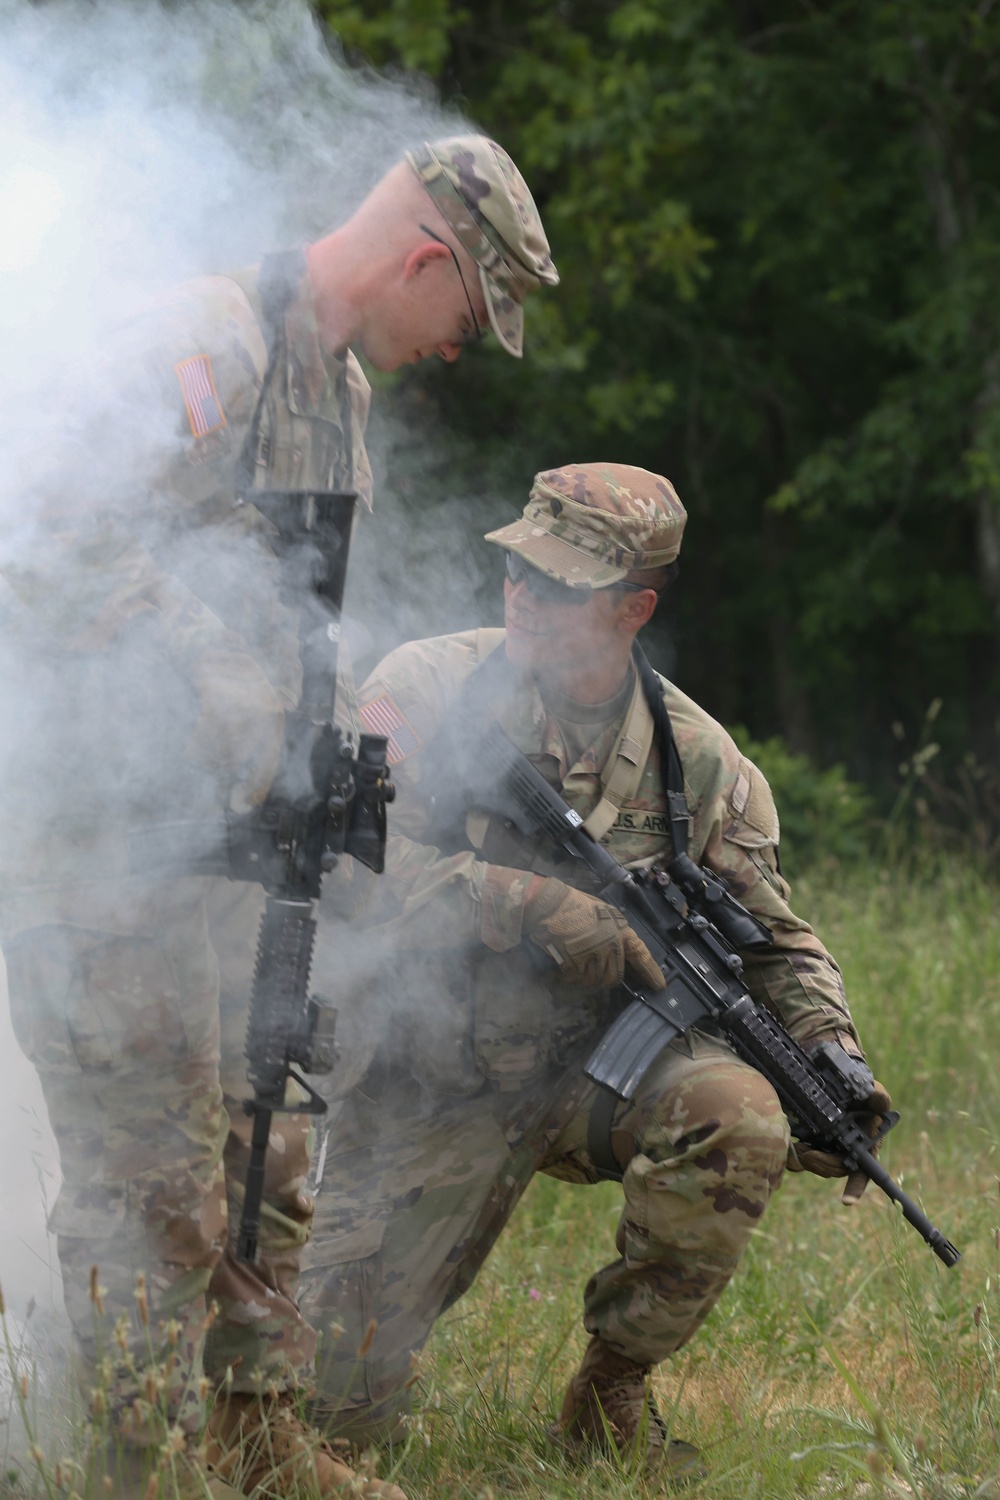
[[599, 1125], [277, 284], [679, 814]]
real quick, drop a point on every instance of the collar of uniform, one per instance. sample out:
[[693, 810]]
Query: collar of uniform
[[523, 714], [535, 732], [313, 375], [581, 781], [578, 774], [595, 757]]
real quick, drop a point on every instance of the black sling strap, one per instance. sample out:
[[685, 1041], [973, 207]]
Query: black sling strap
[[602, 1110], [670, 761], [278, 281]]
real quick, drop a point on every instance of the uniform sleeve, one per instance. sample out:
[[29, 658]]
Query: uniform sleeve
[[736, 835], [148, 450]]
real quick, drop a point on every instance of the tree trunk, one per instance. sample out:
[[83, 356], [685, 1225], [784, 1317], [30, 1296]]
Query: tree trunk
[[791, 699], [953, 216]]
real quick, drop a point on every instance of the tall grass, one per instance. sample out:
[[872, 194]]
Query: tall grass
[[844, 1360]]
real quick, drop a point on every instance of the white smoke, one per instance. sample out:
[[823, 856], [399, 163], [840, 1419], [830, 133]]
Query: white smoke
[[142, 143], [28, 1179]]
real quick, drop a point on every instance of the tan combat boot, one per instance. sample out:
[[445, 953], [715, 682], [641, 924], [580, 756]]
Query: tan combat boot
[[609, 1403], [150, 1473], [178, 1481], [262, 1442]]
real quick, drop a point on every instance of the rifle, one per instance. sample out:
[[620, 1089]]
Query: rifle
[[694, 928], [325, 801]]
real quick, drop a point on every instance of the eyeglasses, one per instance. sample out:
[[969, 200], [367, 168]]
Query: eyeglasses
[[553, 590], [477, 333]]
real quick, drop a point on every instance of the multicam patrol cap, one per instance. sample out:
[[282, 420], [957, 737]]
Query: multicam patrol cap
[[486, 202], [589, 525]]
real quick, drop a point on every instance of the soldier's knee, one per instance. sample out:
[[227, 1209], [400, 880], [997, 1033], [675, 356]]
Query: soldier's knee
[[756, 1139], [750, 1110], [707, 1158], [723, 1111]]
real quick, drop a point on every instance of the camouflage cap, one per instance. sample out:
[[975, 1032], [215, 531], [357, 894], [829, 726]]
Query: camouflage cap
[[486, 202], [589, 525]]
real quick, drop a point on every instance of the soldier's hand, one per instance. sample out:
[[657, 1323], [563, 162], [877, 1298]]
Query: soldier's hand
[[824, 1164], [590, 940], [240, 728]]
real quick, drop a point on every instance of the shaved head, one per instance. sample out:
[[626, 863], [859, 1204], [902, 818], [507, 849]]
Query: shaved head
[[384, 285]]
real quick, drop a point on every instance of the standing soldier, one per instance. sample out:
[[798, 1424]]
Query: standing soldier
[[158, 658], [478, 1084]]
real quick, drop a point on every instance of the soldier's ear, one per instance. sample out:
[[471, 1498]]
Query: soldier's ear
[[422, 256], [637, 609]]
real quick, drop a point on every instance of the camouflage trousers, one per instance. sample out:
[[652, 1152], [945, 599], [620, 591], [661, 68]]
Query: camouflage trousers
[[143, 1077], [411, 1203]]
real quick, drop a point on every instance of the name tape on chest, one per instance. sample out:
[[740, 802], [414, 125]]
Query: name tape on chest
[[381, 716], [201, 399], [637, 820]]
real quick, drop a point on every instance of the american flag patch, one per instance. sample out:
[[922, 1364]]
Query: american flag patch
[[381, 716], [204, 408]]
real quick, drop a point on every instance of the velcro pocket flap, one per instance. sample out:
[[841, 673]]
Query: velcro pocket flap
[[754, 821]]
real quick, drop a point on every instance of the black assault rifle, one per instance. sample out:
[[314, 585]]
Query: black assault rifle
[[694, 928], [325, 801]]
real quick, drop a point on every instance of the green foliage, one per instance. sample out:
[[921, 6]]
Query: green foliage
[[823, 814], [415, 33], [778, 228]]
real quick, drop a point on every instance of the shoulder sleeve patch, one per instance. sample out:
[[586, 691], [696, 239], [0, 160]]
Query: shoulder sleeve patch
[[760, 811], [755, 817], [381, 716], [201, 399]]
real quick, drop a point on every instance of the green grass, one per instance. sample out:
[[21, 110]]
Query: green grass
[[844, 1360]]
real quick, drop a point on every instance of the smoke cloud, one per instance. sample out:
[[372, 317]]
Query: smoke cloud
[[145, 143]]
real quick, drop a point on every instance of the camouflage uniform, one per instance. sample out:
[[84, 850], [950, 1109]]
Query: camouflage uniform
[[478, 1084], [115, 986], [153, 583]]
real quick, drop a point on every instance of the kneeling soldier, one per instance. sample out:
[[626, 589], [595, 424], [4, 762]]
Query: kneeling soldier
[[481, 1085]]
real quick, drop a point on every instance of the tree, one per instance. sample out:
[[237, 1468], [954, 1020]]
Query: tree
[[778, 228]]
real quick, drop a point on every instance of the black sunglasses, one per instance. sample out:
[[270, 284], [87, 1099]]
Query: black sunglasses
[[477, 333], [553, 590]]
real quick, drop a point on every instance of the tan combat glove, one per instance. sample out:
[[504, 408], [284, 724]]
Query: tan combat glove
[[823, 1163], [590, 941], [240, 728]]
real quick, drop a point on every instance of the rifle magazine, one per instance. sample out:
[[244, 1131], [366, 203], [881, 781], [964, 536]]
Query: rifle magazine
[[627, 1048]]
